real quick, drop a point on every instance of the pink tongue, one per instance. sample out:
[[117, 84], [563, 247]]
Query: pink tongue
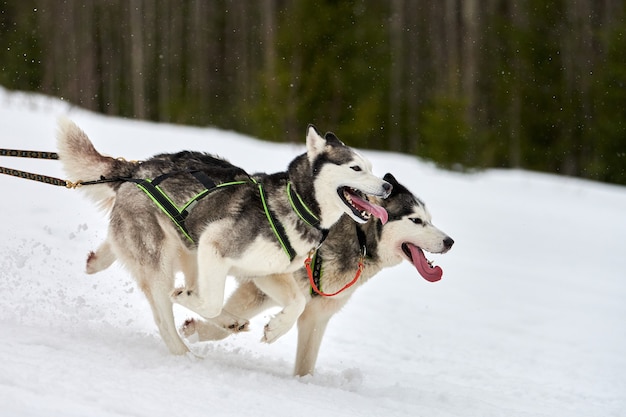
[[431, 274], [375, 210]]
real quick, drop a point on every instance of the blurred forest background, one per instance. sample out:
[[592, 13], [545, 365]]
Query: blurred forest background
[[534, 84]]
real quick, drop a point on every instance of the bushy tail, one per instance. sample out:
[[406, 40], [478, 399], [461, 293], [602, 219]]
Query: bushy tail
[[82, 162]]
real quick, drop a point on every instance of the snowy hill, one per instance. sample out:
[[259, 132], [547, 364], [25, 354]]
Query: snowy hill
[[528, 320]]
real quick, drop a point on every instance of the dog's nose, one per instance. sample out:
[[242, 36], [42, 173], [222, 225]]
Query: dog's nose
[[387, 188], [448, 242]]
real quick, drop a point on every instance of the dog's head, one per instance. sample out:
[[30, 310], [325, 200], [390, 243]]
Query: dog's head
[[410, 232], [343, 179]]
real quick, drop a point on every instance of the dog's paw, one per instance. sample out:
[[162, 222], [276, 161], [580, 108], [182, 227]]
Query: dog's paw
[[210, 330], [89, 265], [181, 292], [231, 322], [192, 326], [100, 259], [277, 327], [188, 328], [190, 299], [238, 326], [95, 263]]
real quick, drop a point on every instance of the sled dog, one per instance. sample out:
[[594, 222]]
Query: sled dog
[[196, 214], [408, 233]]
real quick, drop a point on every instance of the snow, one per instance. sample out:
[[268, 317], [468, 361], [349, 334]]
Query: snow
[[528, 320]]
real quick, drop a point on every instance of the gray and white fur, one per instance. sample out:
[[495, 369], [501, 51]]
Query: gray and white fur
[[409, 226], [231, 234]]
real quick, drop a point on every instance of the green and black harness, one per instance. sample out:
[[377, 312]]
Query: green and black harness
[[178, 215]]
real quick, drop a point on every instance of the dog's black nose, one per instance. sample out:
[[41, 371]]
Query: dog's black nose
[[448, 242], [387, 187]]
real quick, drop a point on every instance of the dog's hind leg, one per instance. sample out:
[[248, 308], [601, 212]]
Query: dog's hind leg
[[101, 259], [282, 288], [164, 316]]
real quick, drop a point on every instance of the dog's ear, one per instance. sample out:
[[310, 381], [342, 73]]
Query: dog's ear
[[314, 143], [333, 140], [390, 179], [397, 187]]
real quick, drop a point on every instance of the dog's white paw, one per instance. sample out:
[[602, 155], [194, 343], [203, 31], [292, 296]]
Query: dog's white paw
[[203, 331], [191, 300], [232, 325], [95, 263], [189, 328], [278, 326], [186, 298], [181, 292]]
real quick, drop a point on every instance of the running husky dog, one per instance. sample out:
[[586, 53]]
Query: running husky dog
[[407, 234], [175, 213]]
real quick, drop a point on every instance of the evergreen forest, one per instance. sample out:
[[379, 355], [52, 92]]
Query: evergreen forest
[[468, 84]]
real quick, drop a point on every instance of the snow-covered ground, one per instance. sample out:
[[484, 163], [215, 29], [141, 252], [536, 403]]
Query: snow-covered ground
[[528, 320]]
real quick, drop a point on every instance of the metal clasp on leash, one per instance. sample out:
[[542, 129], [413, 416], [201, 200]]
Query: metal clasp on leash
[[73, 185]]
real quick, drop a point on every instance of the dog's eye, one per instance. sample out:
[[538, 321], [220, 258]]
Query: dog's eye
[[355, 168], [416, 220]]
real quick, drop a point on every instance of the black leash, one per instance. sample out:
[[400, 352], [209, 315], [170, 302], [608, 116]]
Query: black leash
[[29, 154], [29, 175], [36, 177], [44, 178]]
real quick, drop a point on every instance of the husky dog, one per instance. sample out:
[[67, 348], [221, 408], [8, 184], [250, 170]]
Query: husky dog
[[408, 233], [176, 213]]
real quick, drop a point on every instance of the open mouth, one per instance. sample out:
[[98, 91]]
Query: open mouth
[[424, 266], [360, 206]]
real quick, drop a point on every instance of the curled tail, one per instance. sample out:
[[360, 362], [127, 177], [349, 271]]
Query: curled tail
[[82, 162]]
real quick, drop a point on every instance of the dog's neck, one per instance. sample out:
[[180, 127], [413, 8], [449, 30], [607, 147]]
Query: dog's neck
[[302, 183], [301, 209]]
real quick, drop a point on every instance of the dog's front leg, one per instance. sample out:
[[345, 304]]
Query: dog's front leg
[[244, 303], [283, 289], [207, 298], [311, 328]]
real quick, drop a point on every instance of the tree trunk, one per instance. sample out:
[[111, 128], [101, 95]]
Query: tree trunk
[[396, 98], [470, 51], [416, 17], [137, 58], [451, 44], [517, 13], [268, 12]]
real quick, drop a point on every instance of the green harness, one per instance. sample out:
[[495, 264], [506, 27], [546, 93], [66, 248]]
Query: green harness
[[178, 215]]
